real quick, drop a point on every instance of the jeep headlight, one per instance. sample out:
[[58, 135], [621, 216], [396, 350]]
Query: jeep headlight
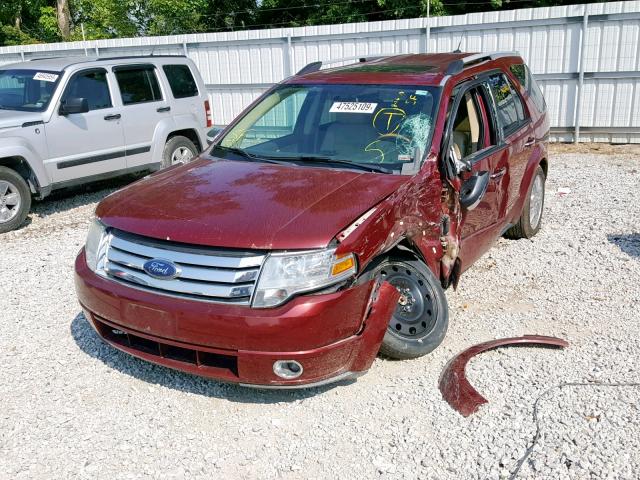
[[95, 247], [286, 274]]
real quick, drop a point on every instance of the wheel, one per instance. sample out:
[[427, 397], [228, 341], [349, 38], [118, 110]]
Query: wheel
[[15, 200], [178, 150], [421, 318], [531, 219]]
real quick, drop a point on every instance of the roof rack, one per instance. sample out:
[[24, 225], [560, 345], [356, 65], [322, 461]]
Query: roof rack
[[315, 66], [458, 65]]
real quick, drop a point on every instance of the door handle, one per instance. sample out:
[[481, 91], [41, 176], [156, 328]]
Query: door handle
[[115, 116], [496, 175], [163, 109], [530, 141]]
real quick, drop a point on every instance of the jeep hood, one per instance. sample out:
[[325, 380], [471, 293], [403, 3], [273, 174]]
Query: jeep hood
[[15, 118], [248, 205]]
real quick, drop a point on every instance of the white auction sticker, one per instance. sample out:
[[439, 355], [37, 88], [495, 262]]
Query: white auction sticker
[[353, 107], [46, 77]]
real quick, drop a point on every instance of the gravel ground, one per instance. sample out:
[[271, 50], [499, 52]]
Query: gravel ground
[[74, 407]]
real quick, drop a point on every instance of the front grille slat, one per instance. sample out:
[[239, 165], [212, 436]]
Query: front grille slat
[[207, 260], [204, 273]]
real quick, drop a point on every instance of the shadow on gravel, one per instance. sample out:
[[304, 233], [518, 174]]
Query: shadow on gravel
[[73, 197], [628, 243], [91, 344]]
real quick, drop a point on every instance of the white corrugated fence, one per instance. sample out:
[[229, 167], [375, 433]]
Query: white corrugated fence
[[586, 57]]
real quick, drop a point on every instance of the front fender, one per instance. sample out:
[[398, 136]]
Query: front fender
[[21, 148]]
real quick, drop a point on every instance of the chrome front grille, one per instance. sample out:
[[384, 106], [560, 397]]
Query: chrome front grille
[[205, 273]]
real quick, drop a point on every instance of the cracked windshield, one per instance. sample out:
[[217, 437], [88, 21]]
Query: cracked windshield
[[372, 127]]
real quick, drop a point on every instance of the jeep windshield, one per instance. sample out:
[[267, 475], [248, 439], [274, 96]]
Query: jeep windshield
[[27, 90], [380, 128]]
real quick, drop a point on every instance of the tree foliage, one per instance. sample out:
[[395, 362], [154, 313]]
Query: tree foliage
[[32, 21]]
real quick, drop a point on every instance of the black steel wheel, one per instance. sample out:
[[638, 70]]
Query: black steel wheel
[[421, 318]]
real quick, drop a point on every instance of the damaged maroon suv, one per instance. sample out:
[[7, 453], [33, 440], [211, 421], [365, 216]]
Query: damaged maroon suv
[[324, 224]]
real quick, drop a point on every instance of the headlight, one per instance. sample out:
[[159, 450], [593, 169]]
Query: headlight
[[285, 274], [95, 245]]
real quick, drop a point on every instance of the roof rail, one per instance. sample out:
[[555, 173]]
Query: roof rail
[[458, 65], [315, 66]]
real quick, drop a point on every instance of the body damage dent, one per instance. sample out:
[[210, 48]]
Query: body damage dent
[[455, 387]]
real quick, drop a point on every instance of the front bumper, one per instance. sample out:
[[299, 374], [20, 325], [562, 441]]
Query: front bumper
[[333, 336]]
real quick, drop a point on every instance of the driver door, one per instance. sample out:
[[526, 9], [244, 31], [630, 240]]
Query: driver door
[[89, 143], [480, 166]]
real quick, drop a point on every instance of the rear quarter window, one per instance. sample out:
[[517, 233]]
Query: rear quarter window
[[181, 81], [524, 76], [138, 84]]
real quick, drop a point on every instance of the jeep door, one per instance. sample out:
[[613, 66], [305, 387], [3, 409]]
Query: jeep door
[[477, 161], [87, 143], [143, 107]]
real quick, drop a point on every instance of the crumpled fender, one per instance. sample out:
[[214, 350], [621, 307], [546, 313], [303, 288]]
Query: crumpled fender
[[382, 304], [455, 387], [20, 147]]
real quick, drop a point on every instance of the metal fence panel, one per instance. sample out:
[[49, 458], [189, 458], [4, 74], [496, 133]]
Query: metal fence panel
[[239, 66]]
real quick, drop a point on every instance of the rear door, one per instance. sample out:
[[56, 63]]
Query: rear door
[[90, 143], [517, 134], [144, 105]]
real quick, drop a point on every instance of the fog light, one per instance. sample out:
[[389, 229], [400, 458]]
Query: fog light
[[287, 369]]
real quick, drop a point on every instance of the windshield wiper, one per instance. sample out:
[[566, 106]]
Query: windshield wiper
[[247, 155], [324, 160]]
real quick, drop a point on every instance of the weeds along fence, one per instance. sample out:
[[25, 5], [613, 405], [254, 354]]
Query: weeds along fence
[[586, 58]]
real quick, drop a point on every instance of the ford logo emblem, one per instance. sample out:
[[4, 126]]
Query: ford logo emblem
[[161, 269]]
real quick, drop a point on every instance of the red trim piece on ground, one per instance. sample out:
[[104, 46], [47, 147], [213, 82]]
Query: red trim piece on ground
[[455, 387]]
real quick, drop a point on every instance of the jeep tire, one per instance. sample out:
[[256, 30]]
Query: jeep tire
[[15, 200], [178, 150]]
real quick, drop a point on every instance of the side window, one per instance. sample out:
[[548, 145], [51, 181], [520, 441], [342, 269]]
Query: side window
[[181, 81], [138, 84], [469, 134], [524, 76], [508, 103], [92, 85]]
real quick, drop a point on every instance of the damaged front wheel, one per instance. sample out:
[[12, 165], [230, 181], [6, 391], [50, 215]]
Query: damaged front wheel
[[420, 320]]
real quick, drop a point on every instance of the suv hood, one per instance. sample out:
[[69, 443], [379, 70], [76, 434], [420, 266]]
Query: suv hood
[[248, 205], [15, 118]]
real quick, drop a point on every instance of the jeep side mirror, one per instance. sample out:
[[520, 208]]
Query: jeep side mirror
[[74, 105]]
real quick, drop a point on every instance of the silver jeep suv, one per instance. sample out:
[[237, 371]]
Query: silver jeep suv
[[69, 121]]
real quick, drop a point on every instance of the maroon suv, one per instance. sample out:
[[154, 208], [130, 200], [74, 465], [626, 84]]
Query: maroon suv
[[272, 259]]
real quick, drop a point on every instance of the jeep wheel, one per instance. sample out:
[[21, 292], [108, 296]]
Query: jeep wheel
[[421, 318], [15, 200], [178, 150], [531, 219]]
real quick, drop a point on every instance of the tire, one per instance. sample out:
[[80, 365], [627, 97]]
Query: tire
[[531, 219], [178, 150], [420, 321], [15, 200]]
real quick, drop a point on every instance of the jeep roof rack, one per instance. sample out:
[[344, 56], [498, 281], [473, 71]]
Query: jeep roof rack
[[458, 65], [315, 66]]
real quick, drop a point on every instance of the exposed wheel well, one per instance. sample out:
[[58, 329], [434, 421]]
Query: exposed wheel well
[[20, 165], [545, 166], [190, 134]]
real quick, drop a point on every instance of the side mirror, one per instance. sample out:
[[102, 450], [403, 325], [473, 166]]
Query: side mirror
[[473, 189], [74, 105], [457, 162], [212, 134]]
